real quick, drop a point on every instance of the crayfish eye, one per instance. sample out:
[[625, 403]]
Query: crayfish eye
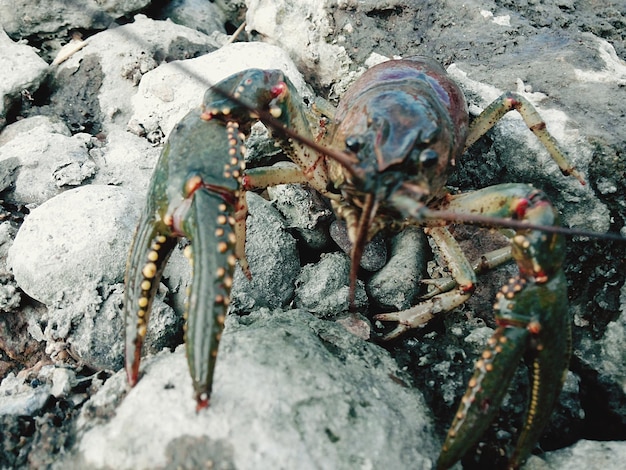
[[428, 158], [354, 143]]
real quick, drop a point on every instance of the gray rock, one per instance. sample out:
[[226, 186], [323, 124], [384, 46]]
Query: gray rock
[[166, 94], [204, 16], [397, 284], [323, 288], [273, 259], [44, 164], [120, 57], [325, 405], [80, 281], [374, 254], [302, 28], [50, 124], [305, 212], [23, 18], [18, 397], [125, 160], [585, 455], [529, 161], [22, 69]]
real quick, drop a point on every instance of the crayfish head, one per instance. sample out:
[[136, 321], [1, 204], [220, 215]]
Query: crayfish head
[[397, 139]]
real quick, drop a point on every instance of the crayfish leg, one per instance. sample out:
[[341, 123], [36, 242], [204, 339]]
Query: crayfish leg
[[513, 101]]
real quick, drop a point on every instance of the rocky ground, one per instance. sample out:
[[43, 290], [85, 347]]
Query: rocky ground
[[91, 90]]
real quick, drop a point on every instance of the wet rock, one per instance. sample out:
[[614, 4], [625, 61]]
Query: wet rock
[[327, 404]]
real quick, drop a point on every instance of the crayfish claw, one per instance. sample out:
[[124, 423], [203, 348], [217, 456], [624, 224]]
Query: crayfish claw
[[414, 317]]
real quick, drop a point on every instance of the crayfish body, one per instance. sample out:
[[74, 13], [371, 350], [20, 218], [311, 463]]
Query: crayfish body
[[397, 133]]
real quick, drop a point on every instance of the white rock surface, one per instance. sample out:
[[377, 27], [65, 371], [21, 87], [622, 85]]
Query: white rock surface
[[79, 238], [22, 69], [166, 94], [302, 28]]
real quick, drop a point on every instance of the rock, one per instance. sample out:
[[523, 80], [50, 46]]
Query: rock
[[166, 94], [397, 284], [125, 160], [49, 125], [326, 404], [323, 288], [530, 161], [558, 55], [111, 65], [374, 254], [206, 17], [17, 397], [586, 455], [302, 29], [79, 238], [40, 164], [22, 69], [79, 282], [23, 18], [305, 212], [273, 259]]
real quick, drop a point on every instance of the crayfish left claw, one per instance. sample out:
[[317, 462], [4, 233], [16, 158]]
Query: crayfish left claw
[[194, 193]]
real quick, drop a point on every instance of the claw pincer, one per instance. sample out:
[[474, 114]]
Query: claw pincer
[[532, 323]]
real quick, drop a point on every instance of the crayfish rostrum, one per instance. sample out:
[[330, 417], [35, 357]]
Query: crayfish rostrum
[[390, 146]]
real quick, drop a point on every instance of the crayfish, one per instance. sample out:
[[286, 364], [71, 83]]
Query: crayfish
[[397, 133]]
